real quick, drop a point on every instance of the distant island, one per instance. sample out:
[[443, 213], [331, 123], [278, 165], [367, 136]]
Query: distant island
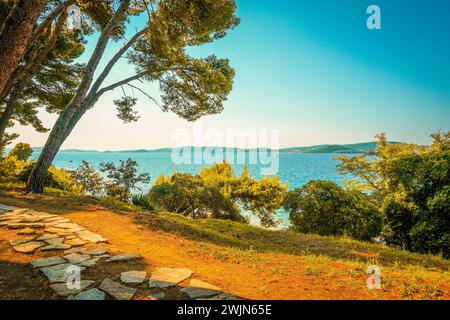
[[365, 147]]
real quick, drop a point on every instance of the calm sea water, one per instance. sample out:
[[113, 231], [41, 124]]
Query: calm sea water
[[294, 169]]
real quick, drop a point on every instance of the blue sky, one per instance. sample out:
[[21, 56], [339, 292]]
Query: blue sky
[[311, 69]]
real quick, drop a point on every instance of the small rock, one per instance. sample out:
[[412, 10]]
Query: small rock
[[57, 246], [28, 247], [124, 257], [133, 276], [117, 290], [93, 294], [168, 277], [200, 289], [157, 296], [63, 290], [47, 262], [94, 252], [76, 258]]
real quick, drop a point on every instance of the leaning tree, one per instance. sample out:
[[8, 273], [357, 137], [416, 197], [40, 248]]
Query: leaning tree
[[190, 87]]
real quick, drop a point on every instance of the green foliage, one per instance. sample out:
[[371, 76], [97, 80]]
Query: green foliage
[[56, 178], [22, 151], [123, 179], [143, 201], [216, 192], [125, 110], [324, 208], [89, 179], [10, 168], [411, 184]]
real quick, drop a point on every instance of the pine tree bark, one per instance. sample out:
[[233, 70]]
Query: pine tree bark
[[16, 32]]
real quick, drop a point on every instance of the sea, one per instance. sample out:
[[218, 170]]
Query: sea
[[295, 169]]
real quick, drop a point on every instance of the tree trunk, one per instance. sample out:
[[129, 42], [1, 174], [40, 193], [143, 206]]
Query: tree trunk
[[60, 132], [5, 117], [16, 32]]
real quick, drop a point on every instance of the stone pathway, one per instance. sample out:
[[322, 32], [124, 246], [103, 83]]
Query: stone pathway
[[53, 233]]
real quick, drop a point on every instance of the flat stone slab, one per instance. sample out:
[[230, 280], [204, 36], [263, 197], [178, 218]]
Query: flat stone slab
[[63, 290], [55, 240], [47, 236], [58, 231], [73, 250], [124, 257], [75, 242], [68, 225], [117, 290], [91, 263], [28, 247], [47, 262], [36, 225], [26, 232], [5, 208], [94, 252], [58, 273], [133, 276], [18, 241], [76, 258], [93, 294], [157, 296], [168, 277], [200, 289], [91, 237], [57, 246]]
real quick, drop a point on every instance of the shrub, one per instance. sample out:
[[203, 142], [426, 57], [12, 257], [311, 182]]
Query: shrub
[[56, 178], [11, 168], [90, 180], [123, 179], [143, 201], [22, 151], [216, 192], [324, 208]]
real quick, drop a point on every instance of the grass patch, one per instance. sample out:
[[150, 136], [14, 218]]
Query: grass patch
[[245, 237]]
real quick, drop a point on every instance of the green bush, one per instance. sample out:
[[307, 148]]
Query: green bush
[[90, 180], [123, 179], [56, 178], [143, 201], [412, 185], [218, 193], [324, 208]]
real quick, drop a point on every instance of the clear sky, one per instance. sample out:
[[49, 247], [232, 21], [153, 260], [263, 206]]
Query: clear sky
[[311, 69]]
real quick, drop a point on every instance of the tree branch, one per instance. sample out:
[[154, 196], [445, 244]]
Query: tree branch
[[113, 61], [117, 84]]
